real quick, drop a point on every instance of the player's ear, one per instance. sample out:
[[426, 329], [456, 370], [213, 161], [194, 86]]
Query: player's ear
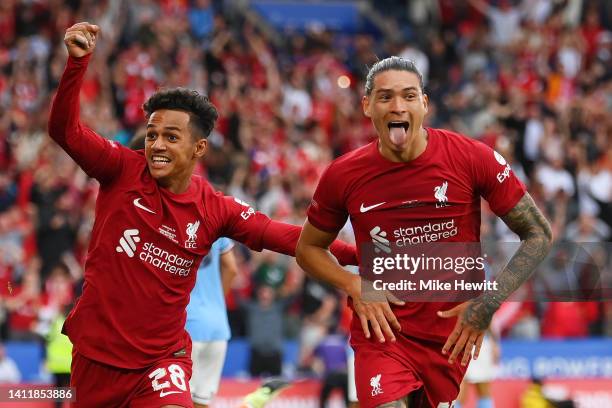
[[365, 104], [200, 148], [426, 102]]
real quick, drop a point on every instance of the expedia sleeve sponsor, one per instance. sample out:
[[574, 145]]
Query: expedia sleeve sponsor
[[495, 180], [242, 223]]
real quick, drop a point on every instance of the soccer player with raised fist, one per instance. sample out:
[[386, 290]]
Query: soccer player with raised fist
[[154, 222]]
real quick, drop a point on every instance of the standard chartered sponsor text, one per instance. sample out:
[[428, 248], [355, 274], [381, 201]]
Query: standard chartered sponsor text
[[430, 232], [162, 259]]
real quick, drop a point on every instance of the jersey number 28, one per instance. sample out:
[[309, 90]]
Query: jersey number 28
[[177, 376]]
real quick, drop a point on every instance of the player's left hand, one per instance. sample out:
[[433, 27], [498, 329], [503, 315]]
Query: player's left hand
[[465, 336]]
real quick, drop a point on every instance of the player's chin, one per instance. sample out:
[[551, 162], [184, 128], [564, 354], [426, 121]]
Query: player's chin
[[159, 171]]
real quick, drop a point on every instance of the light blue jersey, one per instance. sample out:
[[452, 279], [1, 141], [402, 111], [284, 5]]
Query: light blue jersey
[[206, 311]]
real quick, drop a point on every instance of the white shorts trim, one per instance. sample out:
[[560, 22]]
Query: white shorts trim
[[208, 358], [350, 368]]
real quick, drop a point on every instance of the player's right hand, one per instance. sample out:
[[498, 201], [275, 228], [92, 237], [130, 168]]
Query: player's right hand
[[80, 39], [376, 313]]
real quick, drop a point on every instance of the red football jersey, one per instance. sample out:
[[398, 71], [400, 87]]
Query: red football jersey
[[147, 243], [433, 198]]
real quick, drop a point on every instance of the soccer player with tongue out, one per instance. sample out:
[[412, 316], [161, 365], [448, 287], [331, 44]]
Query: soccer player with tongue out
[[415, 185]]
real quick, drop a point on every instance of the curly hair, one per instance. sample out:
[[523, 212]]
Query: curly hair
[[202, 113]]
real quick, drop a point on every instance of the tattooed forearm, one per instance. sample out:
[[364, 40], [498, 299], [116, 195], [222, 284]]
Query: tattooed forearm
[[526, 220], [480, 311]]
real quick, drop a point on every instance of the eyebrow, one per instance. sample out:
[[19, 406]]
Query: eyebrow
[[150, 125], [410, 88]]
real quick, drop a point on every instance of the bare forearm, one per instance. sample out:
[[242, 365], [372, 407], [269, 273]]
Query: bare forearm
[[227, 277], [283, 238], [527, 221], [229, 270], [226, 283], [529, 255], [320, 264]]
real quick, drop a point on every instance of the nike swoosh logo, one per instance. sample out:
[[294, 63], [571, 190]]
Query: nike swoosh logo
[[163, 394], [142, 207], [370, 207]]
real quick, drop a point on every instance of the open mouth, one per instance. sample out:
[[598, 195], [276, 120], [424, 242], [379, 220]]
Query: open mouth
[[159, 161], [397, 124], [398, 132]]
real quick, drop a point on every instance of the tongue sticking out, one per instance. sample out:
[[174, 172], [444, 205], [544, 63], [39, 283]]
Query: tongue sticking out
[[398, 135]]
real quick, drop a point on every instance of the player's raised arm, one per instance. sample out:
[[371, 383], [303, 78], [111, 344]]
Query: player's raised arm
[[314, 257], [526, 220], [97, 156]]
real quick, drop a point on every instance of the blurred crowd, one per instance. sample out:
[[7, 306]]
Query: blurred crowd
[[531, 78]]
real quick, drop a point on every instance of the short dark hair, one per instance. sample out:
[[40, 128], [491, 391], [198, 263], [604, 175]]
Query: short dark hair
[[393, 63], [202, 113]]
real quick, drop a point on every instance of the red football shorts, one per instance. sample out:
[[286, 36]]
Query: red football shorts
[[386, 372], [99, 385]]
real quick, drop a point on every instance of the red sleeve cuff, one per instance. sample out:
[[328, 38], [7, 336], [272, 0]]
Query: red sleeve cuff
[[322, 226], [84, 60]]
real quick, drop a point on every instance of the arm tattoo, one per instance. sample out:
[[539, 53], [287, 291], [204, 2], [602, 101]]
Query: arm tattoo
[[526, 220]]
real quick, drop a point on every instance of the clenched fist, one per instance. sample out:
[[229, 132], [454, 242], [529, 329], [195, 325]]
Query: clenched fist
[[80, 39]]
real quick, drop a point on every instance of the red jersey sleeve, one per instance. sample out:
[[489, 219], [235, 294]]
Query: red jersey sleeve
[[98, 157], [254, 229], [495, 180], [242, 223], [327, 211]]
